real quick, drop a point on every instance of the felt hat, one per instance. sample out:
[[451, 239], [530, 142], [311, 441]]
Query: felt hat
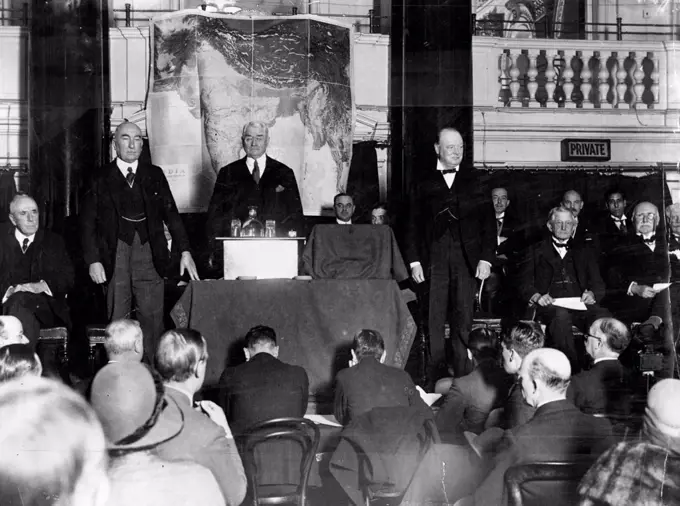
[[134, 411]]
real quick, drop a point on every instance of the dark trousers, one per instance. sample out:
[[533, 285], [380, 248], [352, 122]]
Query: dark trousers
[[559, 322], [33, 311], [135, 280], [452, 291]]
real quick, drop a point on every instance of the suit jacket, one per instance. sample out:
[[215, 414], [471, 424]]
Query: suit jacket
[[514, 232], [609, 235], [557, 432], [462, 208], [470, 399], [50, 263], [370, 384], [606, 388], [674, 257], [516, 411], [204, 442], [261, 389], [100, 215], [542, 260], [633, 260], [277, 198]]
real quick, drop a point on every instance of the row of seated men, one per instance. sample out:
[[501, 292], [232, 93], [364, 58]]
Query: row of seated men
[[143, 438], [613, 266]]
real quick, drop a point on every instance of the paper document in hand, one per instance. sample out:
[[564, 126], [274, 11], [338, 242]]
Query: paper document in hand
[[570, 303], [323, 420], [660, 286]]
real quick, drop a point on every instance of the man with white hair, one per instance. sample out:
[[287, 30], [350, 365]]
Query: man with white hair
[[645, 470], [255, 180], [11, 331], [557, 432], [53, 446], [124, 341]]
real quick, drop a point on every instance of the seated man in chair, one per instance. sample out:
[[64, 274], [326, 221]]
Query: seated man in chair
[[558, 267], [36, 272]]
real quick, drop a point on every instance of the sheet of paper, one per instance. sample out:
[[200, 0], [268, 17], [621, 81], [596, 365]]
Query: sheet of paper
[[660, 286], [323, 420], [570, 303]]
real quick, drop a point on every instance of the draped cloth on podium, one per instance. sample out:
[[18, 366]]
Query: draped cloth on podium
[[314, 321], [353, 252]]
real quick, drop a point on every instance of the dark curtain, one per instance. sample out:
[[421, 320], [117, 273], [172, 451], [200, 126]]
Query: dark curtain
[[362, 181], [7, 192]]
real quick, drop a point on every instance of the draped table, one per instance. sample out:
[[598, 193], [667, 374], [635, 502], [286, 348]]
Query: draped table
[[314, 321]]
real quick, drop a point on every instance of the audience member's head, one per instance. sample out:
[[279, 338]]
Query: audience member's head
[[255, 139], [615, 200], [380, 215], [561, 223], [483, 344], [544, 376], [134, 411], [261, 339], [18, 360], [368, 343], [523, 338], [124, 341], [645, 218], [673, 218], [662, 414], [53, 447], [11, 331], [607, 338], [499, 197], [24, 215], [128, 142], [572, 201], [343, 204], [450, 147], [181, 358]]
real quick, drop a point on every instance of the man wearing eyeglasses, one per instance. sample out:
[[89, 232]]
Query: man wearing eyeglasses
[[450, 240], [560, 268]]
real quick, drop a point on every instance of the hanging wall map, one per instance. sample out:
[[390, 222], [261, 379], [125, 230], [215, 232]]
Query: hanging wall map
[[213, 73]]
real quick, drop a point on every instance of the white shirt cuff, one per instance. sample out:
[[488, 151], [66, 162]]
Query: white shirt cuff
[[630, 288]]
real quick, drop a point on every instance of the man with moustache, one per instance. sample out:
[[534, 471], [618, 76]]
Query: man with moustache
[[452, 239], [573, 201], [123, 236]]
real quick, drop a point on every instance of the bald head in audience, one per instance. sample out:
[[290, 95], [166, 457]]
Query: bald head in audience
[[663, 407], [11, 331], [545, 376], [124, 341]]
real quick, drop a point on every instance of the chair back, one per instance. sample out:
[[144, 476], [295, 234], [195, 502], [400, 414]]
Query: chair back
[[570, 473], [299, 430]]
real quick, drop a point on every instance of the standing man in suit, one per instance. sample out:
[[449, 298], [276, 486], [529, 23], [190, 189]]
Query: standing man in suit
[[560, 267], [450, 232], [368, 383], [614, 227], [573, 201], [36, 272], [255, 180], [264, 387], [123, 236]]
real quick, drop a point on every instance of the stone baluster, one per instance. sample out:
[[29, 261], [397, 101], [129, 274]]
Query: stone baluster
[[603, 78], [504, 79], [514, 78], [638, 76], [654, 76], [621, 75], [586, 85], [532, 73], [550, 74], [568, 85]]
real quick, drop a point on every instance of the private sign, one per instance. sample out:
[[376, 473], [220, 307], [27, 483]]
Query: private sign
[[586, 150]]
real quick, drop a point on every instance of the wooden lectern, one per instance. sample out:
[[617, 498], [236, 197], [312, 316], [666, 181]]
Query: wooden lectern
[[261, 257]]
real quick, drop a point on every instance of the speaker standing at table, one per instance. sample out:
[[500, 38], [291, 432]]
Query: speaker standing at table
[[448, 230], [123, 237], [255, 180]]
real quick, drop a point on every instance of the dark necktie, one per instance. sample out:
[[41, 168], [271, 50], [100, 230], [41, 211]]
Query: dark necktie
[[622, 225], [24, 246], [558, 245], [130, 177], [448, 171], [651, 240], [499, 226], [256, 173]]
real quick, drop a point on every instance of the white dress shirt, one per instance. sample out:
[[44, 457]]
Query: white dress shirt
[[123, 166], [340, 222], [449, 178], [618, 221], [261, 164], [20, 237]]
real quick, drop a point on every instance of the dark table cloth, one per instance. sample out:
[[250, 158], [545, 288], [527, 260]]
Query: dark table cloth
[[315, 321], [353, 252]]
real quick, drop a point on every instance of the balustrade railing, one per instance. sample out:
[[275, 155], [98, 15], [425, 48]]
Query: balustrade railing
[[579, 75]]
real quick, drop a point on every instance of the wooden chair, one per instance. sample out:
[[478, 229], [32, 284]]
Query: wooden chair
[[300, 430], [54, 337], [96, 335], [518, 475]]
